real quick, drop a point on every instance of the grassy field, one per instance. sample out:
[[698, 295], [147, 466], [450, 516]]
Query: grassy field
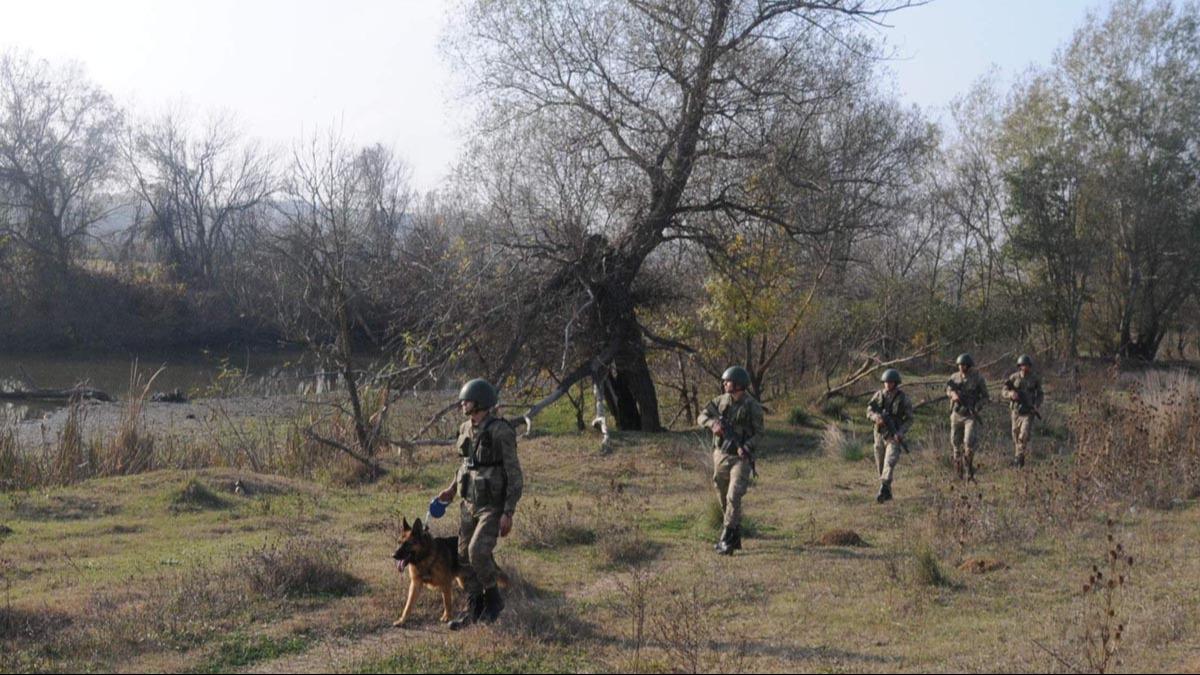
[[613, 567]]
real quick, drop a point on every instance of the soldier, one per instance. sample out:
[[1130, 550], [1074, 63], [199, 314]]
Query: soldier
[[892, 413], [1023, 389], [968, 392], [489, 482], [736, 420]]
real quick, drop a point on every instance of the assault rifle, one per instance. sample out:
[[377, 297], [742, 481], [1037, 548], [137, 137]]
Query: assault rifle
[[1024, 404], [731, 441], [967, 402], [893, 428]]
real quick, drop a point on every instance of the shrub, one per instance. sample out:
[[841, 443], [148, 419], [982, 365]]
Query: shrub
[[835, 441], [926, 569], [546, 527], [834, 407], [801, 417], [196, 496], [1141, 449], [301, 566]]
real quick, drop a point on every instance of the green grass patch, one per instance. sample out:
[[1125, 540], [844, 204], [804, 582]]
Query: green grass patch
[[680, 524], [852, 452], [240, 650], [451, 658], [560, 417]]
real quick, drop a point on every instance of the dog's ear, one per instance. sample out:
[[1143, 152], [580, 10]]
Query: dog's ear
[[417, 526], [404, 525]]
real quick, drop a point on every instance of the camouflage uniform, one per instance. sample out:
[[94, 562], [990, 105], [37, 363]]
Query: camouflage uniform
[[964, 416], [490, 483], [887, 449], [1029, 387], [731, 472]]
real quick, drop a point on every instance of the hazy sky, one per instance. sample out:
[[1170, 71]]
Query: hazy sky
[[286, 68]]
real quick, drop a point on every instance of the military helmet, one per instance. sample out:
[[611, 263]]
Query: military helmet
[[1025, 360], [965, 359], [737, 375], [481, 392], [891, 375]]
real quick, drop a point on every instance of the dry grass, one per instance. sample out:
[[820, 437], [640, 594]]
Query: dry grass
[[927, 570], [299, 566], [131, 449], [646, 594], [552, 527], [839, 443], [268, 445], [1143, 447], [1101, 619]]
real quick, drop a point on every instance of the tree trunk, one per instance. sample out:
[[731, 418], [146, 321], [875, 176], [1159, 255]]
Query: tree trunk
[[632, 396], [1143, 347]]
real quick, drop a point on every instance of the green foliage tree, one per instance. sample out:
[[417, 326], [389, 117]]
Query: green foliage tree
[[1132, 79]]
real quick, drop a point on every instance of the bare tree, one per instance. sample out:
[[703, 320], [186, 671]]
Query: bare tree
[[59, 136], [669, 110], [335, 204], [202, 191]]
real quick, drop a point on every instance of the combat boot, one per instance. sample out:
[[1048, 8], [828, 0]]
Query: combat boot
[[493, 604], [958, 469], [1019, 461], [885, 492], [725, 546], [471, 614], [971, 471], [735, 539]]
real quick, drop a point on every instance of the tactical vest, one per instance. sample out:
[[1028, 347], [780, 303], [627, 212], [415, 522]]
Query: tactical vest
[[970, 401], [892, 407], [482, 451], [484, 481], [1025, 388], [738, 416]]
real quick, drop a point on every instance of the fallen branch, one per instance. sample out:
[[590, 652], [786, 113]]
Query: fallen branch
[[567, 382], [873, 364], [376, 469]]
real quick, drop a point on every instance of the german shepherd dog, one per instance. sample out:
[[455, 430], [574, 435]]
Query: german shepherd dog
[[433, 562]]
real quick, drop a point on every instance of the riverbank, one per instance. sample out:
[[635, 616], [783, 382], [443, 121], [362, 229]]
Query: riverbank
[[192, 421]]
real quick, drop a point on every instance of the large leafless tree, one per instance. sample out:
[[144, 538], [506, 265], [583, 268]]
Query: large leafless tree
[[203, 188], [658, 114], [59, 136]]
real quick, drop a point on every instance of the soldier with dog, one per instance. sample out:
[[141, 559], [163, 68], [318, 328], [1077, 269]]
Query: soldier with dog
[[490, 482]]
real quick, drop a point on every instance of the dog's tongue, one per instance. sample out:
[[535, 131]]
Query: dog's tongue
[[401, 564]]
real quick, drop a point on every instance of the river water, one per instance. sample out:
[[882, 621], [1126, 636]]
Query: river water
[[201, 373]]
